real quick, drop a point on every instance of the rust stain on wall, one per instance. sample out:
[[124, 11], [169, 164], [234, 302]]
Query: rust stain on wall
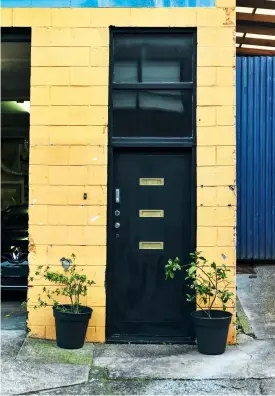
[[228, 16], [32, 247]]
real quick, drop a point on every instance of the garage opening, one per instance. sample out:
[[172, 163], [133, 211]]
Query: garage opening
[[15, 121]]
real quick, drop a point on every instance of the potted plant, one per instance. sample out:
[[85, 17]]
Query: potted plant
[[71, 320], [209, 285]]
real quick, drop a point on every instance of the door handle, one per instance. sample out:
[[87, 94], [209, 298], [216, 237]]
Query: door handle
[[117, 195]]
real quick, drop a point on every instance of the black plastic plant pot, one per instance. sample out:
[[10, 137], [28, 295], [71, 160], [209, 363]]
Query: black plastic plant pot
[[211, 332], [71, 328]]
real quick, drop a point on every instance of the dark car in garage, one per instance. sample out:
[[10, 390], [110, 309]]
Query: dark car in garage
[[14, 248]]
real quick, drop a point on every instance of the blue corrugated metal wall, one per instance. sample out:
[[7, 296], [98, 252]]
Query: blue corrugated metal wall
[[256, 158]]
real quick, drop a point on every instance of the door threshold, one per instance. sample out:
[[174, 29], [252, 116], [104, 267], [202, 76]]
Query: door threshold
[[124, 339]]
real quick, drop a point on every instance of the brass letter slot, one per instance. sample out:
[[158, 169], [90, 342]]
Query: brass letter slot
[[146, 181], [151, 245], [151, 213]]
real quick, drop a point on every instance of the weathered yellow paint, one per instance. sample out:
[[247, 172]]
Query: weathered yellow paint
[[206, 156], [89, 76], [51, 254], [69, 137], [226, 155], [216, 175], [6, 17], [50, 76], [211, 96], [226, 115], [206, 76], [216, 196], [225, 3], [38, 332], [216, 216], [226, 76], [216, 136], [206, 115], [216, 36]]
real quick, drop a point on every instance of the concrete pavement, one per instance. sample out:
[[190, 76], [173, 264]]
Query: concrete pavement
[[38, 367], [257, 297], [30, 365], [249, 359]]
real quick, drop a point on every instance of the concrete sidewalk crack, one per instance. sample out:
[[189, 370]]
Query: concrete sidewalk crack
[[51, 389], [261, 388]]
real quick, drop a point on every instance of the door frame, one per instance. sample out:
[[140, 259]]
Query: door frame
[[156, 144]]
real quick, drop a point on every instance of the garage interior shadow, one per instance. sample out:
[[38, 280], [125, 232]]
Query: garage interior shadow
[[15, 120], [13, 315]]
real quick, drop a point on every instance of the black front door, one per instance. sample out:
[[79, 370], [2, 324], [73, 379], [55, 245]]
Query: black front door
[[151, 183], [152, 216]]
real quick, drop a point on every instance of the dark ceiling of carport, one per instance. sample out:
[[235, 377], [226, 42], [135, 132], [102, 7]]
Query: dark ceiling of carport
[[255, 27]]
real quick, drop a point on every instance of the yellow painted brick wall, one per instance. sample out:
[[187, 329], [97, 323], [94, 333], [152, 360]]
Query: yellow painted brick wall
[[216, 145], [69, 137]]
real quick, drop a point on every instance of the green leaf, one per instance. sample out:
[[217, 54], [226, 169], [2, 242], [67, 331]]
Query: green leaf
[[72, 286], [192, 270], [213, 265], [202, 258]]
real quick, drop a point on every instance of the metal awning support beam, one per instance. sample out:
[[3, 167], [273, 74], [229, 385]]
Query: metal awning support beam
[[254, 51], [269, 5], [256, 28], [242, 16], [254, 41]]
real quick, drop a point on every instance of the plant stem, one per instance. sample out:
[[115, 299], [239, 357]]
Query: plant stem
[[205, 273], [216, 288], [207, 313]]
